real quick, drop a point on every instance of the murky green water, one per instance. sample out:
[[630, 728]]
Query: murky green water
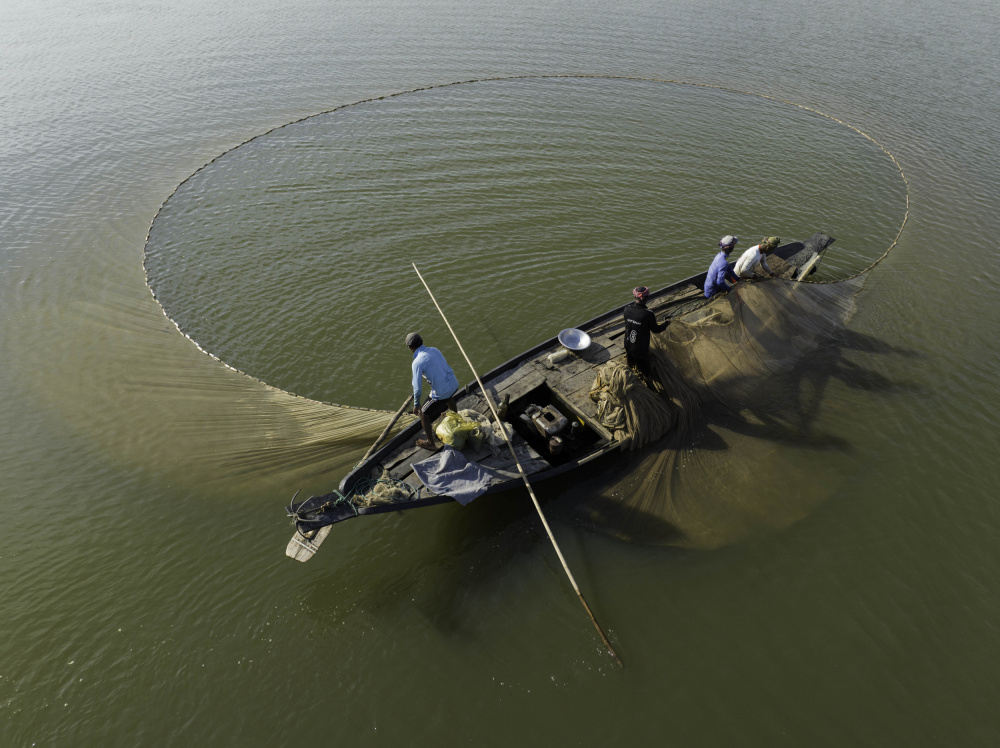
[[146, 597]]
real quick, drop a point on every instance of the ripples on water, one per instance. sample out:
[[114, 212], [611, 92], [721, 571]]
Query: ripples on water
[[530, 205], [156, 607]]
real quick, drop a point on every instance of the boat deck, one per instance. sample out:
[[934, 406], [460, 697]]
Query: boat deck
[[570, 380]]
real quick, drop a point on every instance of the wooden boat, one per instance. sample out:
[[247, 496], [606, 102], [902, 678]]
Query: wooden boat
[[531, 379]]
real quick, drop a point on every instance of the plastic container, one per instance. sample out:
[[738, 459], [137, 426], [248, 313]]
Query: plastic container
[[561, 355]]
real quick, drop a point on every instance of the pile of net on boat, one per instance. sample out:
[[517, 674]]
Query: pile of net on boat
[[381, 489], [637, 414]]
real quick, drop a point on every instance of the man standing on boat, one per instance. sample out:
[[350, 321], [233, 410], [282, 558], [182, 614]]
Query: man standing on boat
[[429, 364], [746, 266], [720, 268], [639, 323]]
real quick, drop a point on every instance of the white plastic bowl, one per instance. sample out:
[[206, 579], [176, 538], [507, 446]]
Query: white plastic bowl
[[575, 340]]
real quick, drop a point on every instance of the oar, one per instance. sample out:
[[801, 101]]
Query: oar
[[388, 428], [524, 477]]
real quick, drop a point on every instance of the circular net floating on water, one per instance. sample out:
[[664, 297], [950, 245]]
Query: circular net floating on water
[[271, 256]]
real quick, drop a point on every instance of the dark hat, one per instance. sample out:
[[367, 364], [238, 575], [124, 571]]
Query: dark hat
[[413, 340], [641, 293]]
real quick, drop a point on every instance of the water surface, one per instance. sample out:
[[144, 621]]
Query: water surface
[[146, 598]]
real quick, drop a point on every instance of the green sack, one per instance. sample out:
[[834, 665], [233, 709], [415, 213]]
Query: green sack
[[453, 429]]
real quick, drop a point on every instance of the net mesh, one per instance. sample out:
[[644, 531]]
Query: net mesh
[[752, 366], [629, 409]]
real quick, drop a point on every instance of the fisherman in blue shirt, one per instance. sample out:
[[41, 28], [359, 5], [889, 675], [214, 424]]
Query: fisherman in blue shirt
[[429, 364], [720, 268]]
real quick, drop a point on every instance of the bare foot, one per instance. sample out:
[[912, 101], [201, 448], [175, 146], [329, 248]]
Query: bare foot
[[424, 444]]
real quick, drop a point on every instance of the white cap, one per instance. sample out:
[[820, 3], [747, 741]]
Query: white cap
[[728, 241]]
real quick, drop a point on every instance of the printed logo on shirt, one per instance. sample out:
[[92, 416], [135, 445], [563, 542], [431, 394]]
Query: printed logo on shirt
[[632, 336]]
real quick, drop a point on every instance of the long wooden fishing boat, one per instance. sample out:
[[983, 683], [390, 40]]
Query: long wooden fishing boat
[[547, 393]]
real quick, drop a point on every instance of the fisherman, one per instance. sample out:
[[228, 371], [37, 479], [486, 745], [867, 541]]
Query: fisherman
[[746, 266], [720, 269], [429, 363], [639, 323]]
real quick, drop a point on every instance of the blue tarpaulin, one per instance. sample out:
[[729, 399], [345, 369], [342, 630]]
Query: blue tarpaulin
[[448, 473]]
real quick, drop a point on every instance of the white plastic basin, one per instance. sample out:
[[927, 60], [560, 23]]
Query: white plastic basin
[[575, 340]]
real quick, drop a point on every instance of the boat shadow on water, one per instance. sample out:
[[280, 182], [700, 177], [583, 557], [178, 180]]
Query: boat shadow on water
[[461, 566]]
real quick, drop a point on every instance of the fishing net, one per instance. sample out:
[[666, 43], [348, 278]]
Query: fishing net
[[296, 435], [630, 410], [383, 490], [752, 365], [730, 350], [637, 414]]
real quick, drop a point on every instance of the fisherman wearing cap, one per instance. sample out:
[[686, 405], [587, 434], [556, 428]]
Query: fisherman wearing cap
[[719, 270], [639, 323], [429, 364], [748, 262]]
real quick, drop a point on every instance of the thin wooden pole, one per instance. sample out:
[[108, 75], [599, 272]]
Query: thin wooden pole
[[524, 477], [392, 423]]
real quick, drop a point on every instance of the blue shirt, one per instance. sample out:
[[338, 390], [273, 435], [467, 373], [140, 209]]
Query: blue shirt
[[428, 362], [717, 271]]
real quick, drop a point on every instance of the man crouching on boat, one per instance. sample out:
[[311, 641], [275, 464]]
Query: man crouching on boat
[[756, 256], [720, 269], [429, 364]]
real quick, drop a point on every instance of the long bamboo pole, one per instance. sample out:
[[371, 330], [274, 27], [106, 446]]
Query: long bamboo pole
[[524, 477]]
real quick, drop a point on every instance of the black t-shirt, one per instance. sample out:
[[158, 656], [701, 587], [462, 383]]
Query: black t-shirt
[[639, 322]]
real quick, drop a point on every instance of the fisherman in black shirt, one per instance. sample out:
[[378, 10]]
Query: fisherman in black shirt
[[639, 322]]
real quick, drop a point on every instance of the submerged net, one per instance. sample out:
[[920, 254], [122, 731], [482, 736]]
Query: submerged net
[[757, 360], [296, 436]]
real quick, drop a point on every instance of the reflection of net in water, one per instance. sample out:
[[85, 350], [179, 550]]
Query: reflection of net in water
[[758, 359]]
